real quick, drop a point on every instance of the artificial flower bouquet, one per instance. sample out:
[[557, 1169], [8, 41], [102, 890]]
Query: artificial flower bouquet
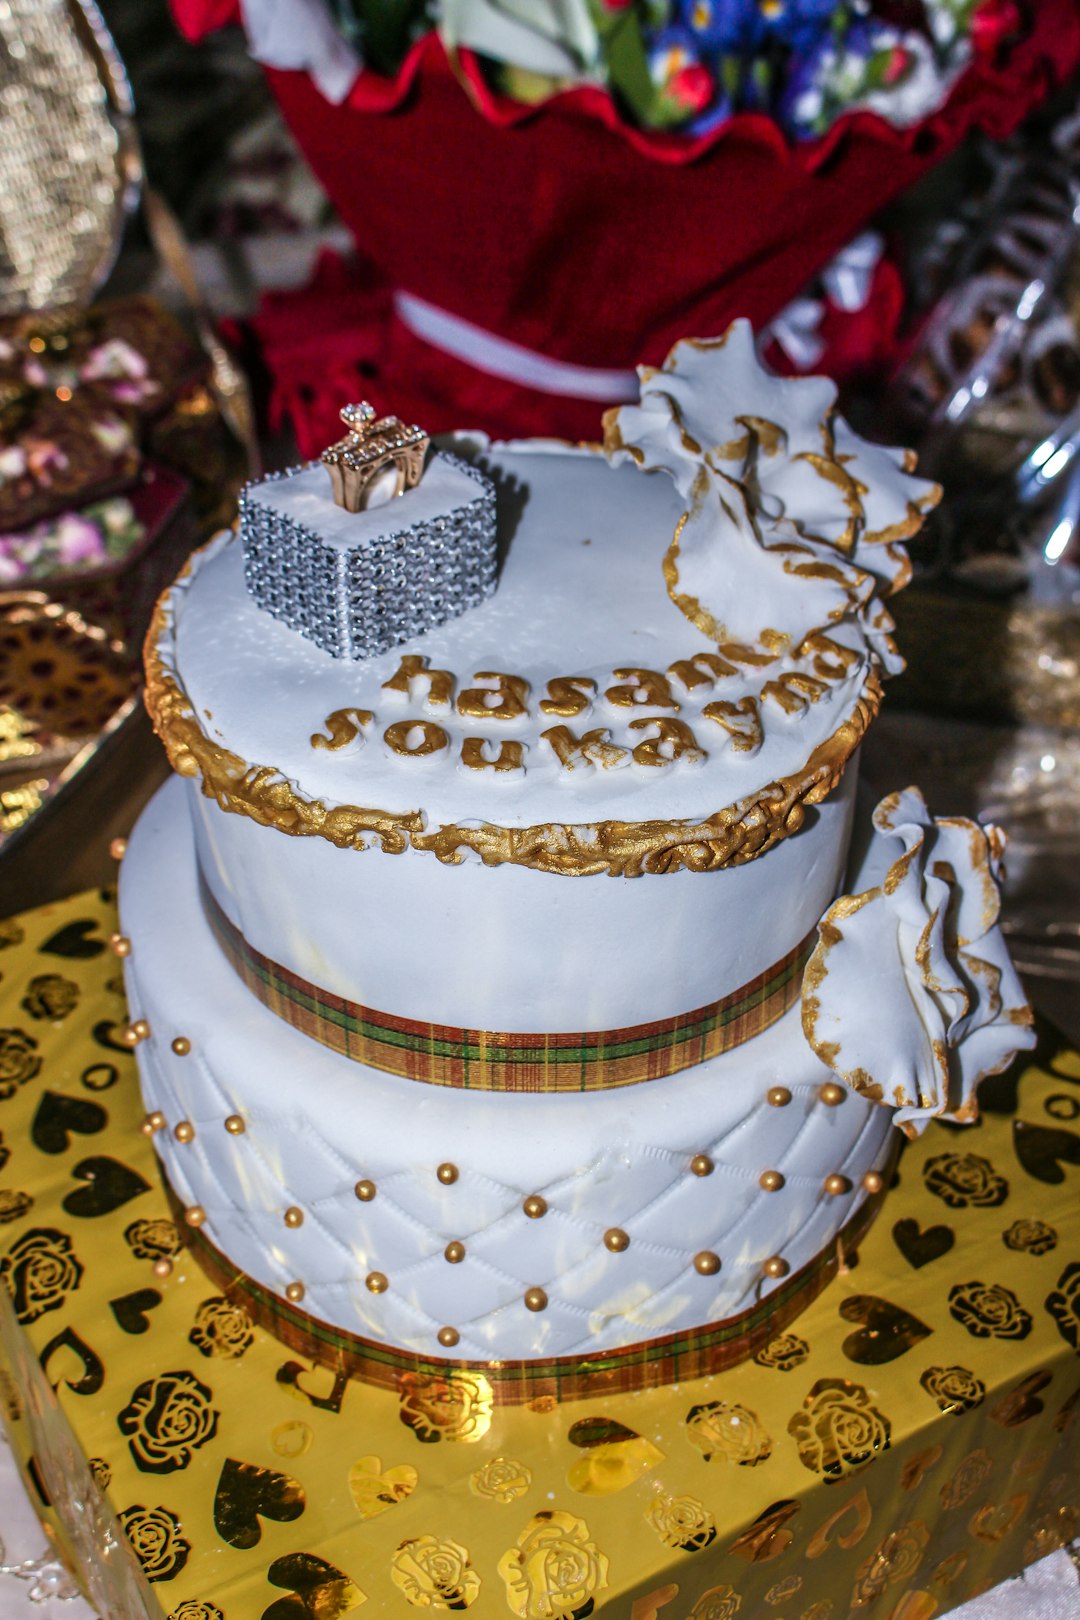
[[542, 195]]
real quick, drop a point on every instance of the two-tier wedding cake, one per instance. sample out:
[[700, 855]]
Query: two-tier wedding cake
[[508, 986]]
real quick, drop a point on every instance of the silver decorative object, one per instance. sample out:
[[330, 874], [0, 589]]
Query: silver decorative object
[[359, 585]]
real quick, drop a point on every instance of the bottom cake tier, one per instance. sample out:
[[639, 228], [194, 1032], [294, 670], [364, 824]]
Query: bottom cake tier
[[909, 1445], [672, 1225]]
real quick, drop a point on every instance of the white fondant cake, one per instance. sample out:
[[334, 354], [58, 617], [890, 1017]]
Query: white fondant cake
[[578, 840]]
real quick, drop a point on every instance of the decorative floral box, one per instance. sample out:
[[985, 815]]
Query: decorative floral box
[[910, 1441]]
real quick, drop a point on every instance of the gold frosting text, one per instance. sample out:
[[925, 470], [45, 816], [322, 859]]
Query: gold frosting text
[[655, 739]]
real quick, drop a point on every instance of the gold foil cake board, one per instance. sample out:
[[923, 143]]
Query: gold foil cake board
[[907, 1442]]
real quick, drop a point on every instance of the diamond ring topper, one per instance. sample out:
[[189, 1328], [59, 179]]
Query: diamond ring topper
[[362, 572], [378, 454]]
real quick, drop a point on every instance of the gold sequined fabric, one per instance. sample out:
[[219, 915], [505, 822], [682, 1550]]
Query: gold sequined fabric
[[69, 166]]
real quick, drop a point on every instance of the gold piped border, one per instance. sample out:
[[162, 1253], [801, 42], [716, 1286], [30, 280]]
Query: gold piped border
[[728, 837]]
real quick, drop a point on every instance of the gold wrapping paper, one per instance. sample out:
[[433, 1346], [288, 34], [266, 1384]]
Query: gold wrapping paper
[[908, 1441]]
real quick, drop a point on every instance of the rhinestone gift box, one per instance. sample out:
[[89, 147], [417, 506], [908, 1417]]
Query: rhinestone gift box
[[359, 583]]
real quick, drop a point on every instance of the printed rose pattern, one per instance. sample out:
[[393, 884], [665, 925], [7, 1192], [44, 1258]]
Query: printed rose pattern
[[50, 996], [681, 1522], [954, 1388], [222, 1329], [971, 1475], [896, 1559], [167, 1420], [965, 1180], [19, 1061], [839, 1428], [785, 1353], [13, 1204], [729, 1431], [718, 1603], [154, 1533], [101, 1472], [194, 1610], [989, 1311], [153, 1240], [555, 1571], [1064, 1305], [1030, 1237], [457, 1407], [435, 1574], [39, 1271], [501, 1480], [783, 1590]]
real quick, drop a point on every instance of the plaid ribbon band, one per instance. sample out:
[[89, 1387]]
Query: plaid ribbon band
[[478, 1060]]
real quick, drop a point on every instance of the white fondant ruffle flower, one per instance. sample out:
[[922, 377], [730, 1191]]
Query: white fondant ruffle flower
[[910, 996], [792, 519]]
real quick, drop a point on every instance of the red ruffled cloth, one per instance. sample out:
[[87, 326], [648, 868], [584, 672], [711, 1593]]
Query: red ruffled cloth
[[564, 230]]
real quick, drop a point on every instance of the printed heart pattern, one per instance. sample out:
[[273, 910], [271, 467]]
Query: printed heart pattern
[[245, 1494], [110, 1036], [73, 941], [374, 1489], [90, 1380], [1042, 1150], [131, 1311], [109, 1184], [1022, 1403], [615, 1457], [317, 1590], [767, 1538], [57, 1117], [887, 1330], [920, 1246]]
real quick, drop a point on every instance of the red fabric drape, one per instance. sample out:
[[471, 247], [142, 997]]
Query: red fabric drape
[[561, 229]]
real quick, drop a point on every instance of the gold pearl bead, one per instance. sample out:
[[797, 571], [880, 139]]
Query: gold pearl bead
[[153, 1122], [831, 1094], [195, 1215], [184, 1131], [454, 1252], [535, 1206], [776, 1267], [837, 1184], [616, 1240], [701, 1165], [120, 945], [535, 1299], [365, 1191], [294, 1217], [706, 1263], [141, 1029], [181, 1046], [235, 1126], [128, 1036], [448, 1337], [873, 1181], [376, 1282], [118, 848], [770, 1181], [447, 1174], [163, 1267], [294, 1292], [778, 1096]]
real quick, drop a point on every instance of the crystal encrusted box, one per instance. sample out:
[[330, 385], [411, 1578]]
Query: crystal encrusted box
[[359, 583]]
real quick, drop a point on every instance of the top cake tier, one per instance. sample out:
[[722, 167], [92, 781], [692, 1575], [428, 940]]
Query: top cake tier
[[672, 671]]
